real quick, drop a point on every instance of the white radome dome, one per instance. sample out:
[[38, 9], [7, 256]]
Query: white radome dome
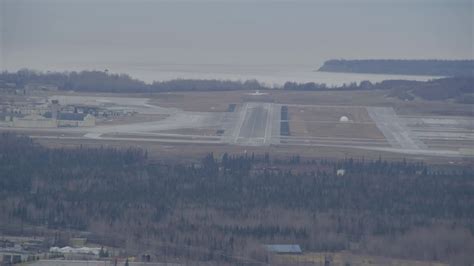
[[343, 119]]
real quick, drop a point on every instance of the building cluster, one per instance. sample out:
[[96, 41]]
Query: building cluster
[[18, 250], [52, 114], [77, 251], [14, 251], [49, 116]]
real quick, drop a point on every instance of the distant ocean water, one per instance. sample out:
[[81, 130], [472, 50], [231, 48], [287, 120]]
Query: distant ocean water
[[271, 75], [271, 41]]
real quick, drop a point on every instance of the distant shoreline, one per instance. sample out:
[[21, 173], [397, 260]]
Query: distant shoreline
[[439, 68], [274, 77], [381, 74]]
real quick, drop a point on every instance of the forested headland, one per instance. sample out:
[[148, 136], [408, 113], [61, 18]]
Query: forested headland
[[401, 67], [223, 208]]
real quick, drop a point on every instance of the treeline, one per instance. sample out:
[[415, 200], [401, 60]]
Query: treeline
[[402, 67], [312, 86], [458, 88], [99, 81], [102, 81], [224, 208]]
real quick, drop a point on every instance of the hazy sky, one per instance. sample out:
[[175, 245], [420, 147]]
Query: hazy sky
[[46, 34]]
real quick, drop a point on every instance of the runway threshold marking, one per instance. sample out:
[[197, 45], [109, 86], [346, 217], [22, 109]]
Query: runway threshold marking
[[243, 112], [268, 127]]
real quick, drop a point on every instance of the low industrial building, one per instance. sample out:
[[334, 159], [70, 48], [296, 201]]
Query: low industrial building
[[73, 119], [15, 257], [63, 120], [82, 253], [31, 118], [284, 248]]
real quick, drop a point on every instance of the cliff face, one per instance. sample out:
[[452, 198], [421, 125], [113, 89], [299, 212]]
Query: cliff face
[[402, 67]]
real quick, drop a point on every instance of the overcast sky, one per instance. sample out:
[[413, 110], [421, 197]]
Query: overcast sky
[[51, 33]]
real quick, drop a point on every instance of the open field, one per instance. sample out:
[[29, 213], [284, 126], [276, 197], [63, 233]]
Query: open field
[[98, 263], [347, 258], [323, 122], [237, 121], [335, 130], [203, 101], [198, 101], [322, 113], [190, 152]]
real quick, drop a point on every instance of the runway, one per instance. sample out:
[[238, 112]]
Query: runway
[[254, 130]]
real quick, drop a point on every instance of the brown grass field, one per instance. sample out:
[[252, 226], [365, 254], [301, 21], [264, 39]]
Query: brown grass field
[[195, 152], [335, 130], [323, 121], [198, 101], [347, 258], [329, 113], [206, 100]]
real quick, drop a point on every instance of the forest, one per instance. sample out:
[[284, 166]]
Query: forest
[[402, 67], [102, 81], [460, 89], [222, 209]]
